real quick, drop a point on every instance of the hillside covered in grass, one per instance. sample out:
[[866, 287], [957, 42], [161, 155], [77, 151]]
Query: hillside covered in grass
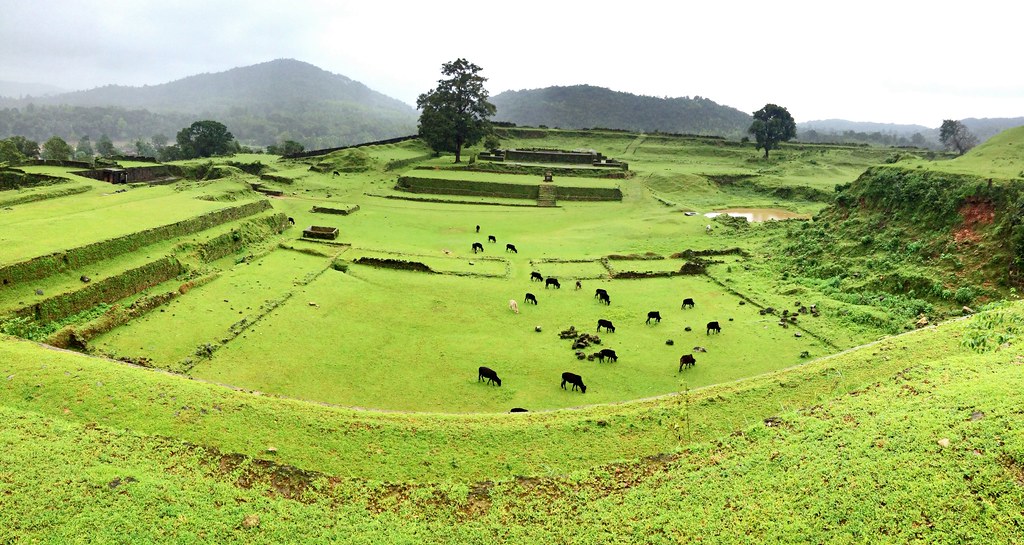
[[232, 379], [915, 438]]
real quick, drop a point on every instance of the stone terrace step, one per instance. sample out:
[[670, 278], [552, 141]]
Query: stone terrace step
[[546, 194]]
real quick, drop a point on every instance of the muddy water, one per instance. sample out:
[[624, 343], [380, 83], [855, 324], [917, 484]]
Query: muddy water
[[759, 214]]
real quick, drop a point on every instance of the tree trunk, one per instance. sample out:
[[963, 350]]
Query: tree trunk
[[458, 152], [766, 153]]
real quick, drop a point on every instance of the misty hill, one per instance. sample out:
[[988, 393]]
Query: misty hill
[[261, 104], [16, 89], [841, 130], [587, 106]]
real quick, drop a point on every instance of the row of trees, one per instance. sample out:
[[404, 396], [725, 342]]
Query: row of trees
[[200, 139]]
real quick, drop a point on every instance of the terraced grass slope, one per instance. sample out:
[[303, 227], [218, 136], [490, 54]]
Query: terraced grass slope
[[776, 435], [917, 438]]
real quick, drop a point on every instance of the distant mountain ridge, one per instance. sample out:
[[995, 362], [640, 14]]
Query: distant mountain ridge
[[260, 104], [983, 128], [16, 89], [587, 106]]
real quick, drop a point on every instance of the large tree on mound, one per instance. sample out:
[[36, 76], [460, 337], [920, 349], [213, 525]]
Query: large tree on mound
[[955, 136], [204, 139], [455, 114], [772, 125]]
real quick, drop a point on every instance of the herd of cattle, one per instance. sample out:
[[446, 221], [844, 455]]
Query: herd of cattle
[[490, 376]]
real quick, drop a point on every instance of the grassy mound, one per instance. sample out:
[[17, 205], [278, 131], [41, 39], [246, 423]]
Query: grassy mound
[[843, 443]]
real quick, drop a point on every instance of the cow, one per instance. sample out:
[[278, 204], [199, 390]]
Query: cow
[[491, 238], [708, 229], [536, 276], [607, 353], [713, 326], [336, 173], [688, 302], [530, 298], [599, 292], [606, 324], [513, 306], [518, 410], [477, 246], [291, 220], [579, 285], [489, 374], [552, 282], [477, 228], [686, 361], [511, 248], [654, 315], [575, 380], [605, 299]]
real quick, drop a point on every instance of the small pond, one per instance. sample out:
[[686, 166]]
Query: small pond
[[759, 214]]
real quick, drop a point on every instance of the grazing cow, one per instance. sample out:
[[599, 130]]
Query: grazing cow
[[654, 315], [603, 298], [606, 324], [530, 298], [708, 229], [599, 292], [713, 326], [336, 173], [578, 285], [686, 361], [489, 374], [575, 380], [688, 302], [477, 228], [291, 220], [536, 276], [552, 282], [511, 248], [699, 349], [513, 306], [518, 410], [477, 246], [607, 353], [490, 238]]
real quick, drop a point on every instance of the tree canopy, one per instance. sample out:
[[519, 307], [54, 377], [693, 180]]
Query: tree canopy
[[456, 112], [204, 139], [955, 136], [772, 125], [56, 149]]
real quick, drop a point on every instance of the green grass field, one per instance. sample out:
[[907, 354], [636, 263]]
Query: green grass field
[[299, 396]]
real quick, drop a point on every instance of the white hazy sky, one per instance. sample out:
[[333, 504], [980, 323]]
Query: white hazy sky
[[891, 61]]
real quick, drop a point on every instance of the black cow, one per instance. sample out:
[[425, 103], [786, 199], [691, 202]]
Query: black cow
[[530, 298], [599, 292], [688, 302], [606, 324], [477, 228], [477, 246], [713, 326], [490, 238], [511, 248], [575, 380], [603, 298], [607, 353], [578, 284], [489, 374], [552, 282], [291, 220], [654, 315], [536, 276], [686, 361], [336, 173], [518, 410]]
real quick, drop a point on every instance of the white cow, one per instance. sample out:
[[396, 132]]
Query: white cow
[[512, 304]]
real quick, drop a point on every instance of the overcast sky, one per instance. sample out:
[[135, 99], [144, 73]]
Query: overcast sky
[[888, 61]]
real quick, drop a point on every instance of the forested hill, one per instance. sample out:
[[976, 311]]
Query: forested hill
[[586, 106], [260, 104]]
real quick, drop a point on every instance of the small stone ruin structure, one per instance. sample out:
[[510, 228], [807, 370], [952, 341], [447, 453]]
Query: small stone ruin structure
[[320, 232], [540, 155]]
